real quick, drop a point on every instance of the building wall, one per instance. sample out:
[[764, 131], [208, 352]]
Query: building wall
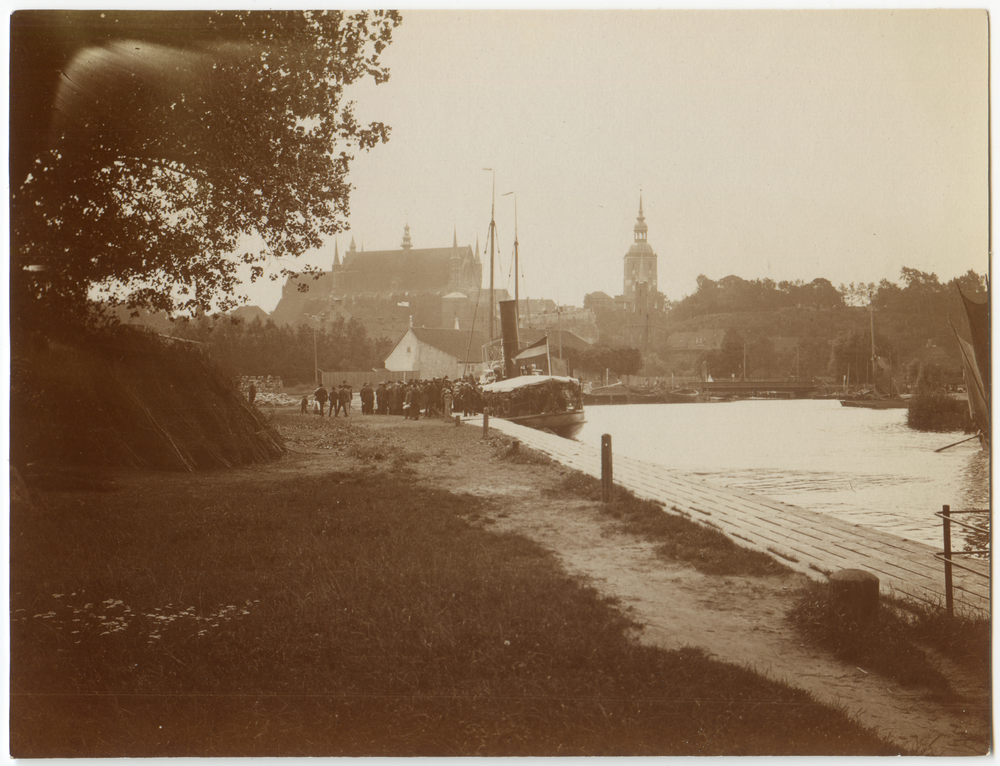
[[411, 355]]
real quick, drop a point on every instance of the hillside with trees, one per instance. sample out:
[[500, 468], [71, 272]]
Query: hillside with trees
[[812, 330]]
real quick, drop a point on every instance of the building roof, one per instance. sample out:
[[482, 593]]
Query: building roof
[[461, 344], [376, 271]]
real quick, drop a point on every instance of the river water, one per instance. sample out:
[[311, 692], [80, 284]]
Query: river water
[[863, 466]]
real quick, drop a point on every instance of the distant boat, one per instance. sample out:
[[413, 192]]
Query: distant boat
[[877, 402], [682, 395], [873, 399]]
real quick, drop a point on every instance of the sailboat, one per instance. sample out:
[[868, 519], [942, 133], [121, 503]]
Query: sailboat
[[976, 363], [543, 401], [874, 399]]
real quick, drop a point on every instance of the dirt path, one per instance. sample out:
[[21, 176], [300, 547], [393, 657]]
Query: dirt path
[[738, 620]]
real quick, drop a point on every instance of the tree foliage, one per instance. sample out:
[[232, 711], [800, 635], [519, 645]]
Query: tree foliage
[[734, 294], [171, 137], [289, 352]]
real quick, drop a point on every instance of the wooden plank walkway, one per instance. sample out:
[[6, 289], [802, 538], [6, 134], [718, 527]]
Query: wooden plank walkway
[[809, 542]]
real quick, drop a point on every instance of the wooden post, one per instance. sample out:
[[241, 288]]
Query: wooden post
[[949, 600], [458, 420], [854, 594], [607, 481], [486, 422]]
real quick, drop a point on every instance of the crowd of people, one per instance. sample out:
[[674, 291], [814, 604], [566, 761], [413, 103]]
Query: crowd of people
[[439, 397]]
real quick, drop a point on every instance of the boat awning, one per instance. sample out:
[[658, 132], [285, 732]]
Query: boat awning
[[525, 381]]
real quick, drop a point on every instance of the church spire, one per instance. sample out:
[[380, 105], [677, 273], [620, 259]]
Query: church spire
[[640, 226], [477, 248], [336, 255], [354, 248], [454, 242]]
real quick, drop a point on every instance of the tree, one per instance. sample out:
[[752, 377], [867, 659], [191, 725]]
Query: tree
[[193, 129]]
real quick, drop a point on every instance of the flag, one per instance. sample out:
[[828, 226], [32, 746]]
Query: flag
[[536, 349]]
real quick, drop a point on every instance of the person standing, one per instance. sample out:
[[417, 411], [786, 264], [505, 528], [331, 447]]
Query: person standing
[[417, 402], [343, 398], [408, 403], [448, 398], [320, 396]]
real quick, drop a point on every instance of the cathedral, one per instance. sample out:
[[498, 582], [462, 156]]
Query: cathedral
[[389, 290]]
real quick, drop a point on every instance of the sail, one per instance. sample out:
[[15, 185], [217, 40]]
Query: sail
[[979, 327], [976, 361]]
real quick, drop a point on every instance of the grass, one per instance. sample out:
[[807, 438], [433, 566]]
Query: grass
[[348, 614], [891, 645], [677, 538]]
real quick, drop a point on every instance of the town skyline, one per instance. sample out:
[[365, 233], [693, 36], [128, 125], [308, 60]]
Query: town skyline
[[784, 145]]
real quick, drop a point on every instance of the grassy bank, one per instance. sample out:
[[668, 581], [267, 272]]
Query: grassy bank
[[347, 613]]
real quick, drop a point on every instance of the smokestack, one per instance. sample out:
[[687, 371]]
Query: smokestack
[[511, 344]]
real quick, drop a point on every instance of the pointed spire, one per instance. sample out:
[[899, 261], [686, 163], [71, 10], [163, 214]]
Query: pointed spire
[[336, 254], [354, 248], [640, 227], [454, 242], [477, 249]]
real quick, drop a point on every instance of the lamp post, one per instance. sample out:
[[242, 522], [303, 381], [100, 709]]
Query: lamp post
[[318, 321]]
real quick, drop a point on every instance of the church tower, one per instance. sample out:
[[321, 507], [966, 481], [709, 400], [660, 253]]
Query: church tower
[[406, 238], [335, 272], [640, 267]]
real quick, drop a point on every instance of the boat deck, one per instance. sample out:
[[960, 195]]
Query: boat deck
[[812, 543]]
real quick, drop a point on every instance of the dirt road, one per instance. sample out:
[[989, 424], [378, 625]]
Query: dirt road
[[738, 620]]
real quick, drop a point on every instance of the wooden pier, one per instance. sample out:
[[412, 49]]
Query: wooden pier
[[812, 543]]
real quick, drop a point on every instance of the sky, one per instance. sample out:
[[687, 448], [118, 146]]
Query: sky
[[783, 145]]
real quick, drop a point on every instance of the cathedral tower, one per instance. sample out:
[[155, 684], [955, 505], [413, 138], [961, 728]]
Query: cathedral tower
[[640, 266]]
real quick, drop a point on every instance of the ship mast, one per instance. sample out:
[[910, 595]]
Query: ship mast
[[517, 296], [493, 228]]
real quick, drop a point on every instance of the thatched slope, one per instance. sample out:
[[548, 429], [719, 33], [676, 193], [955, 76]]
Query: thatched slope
[[125, 397]]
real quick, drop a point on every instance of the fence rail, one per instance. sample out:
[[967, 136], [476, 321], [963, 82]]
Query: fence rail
[[945, 514]]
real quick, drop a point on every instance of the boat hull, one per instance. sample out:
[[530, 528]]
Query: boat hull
[[876, 404], [565, 424]]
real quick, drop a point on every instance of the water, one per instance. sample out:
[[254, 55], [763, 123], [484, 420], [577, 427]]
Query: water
[[863, 466]]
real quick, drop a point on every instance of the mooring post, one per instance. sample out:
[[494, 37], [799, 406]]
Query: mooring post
[[486, 422], [607, 482], [854, 594], [949, 600]]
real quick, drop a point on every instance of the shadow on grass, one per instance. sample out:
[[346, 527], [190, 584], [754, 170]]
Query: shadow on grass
[[349, 615]]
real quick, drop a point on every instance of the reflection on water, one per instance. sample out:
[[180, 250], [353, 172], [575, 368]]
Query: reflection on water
[[864, 466]]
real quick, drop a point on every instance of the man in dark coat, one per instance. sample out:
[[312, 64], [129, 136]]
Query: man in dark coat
[[344, 398], [321, 396]]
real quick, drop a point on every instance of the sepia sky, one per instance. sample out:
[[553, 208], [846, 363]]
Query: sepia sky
[[767, 144]]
